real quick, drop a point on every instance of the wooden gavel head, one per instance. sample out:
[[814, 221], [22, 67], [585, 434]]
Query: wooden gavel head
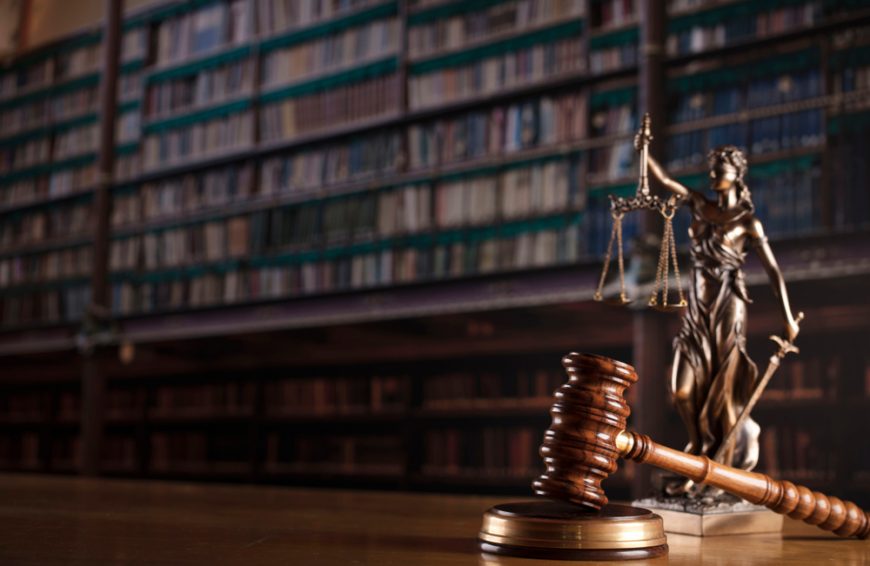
[[590, 411], [589, 434]]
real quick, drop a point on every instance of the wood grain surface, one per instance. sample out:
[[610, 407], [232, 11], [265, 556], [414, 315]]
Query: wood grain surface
[[59, 520]]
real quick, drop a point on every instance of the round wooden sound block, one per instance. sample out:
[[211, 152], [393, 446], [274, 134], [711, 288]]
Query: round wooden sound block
[[564, 531]]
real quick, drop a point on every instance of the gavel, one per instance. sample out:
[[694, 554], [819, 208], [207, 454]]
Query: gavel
[[588, 434]]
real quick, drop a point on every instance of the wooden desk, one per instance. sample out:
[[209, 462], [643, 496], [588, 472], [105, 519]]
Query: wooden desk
[[53, 520]]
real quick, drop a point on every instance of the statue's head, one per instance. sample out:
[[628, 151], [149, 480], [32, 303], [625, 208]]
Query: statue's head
[[727, 168]]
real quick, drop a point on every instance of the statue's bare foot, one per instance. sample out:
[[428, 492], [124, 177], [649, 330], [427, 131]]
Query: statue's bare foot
[[679, 487]]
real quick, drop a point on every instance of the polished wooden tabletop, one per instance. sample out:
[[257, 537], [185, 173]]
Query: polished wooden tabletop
[[55, 520]]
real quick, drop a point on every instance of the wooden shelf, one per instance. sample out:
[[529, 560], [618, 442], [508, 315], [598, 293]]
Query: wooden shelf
[[361, 417], [489, 409], [823, 28], [223, 470], [333, 471], [51, 244], [203, 417], [54, 199], [495, 38]]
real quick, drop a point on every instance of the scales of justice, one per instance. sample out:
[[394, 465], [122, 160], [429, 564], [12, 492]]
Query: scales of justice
[[714, 386]]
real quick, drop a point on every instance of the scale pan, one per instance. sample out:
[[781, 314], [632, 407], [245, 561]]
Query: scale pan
[[669, 308], [618, 301]]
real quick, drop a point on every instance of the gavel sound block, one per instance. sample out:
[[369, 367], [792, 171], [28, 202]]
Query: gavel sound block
[[587, 435]]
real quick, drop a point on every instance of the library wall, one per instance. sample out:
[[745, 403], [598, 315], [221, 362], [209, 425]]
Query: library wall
[[328, 165]]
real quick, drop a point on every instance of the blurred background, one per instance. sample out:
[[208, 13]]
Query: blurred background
[[346, 242]]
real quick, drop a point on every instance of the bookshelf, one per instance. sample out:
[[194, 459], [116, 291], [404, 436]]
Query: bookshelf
[[288, 168]]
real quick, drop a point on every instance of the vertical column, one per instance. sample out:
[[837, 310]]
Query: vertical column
[[650, 340], [99, 311]]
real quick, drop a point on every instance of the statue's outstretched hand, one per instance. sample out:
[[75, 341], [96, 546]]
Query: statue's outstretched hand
[[792, 327]]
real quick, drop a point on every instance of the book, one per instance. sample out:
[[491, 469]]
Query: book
[[361, 157], [169, 146], [275, 16], [473, 28], [512, 69], [613, 13], [337, 106], [694, 33], [330, 53], [177, 196], [209, 86], [501, 130], [34, 226]]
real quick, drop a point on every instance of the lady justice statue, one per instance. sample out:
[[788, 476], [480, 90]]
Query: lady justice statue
[[712, 377]]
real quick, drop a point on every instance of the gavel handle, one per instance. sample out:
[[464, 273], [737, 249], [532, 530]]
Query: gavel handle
[[844, 518]]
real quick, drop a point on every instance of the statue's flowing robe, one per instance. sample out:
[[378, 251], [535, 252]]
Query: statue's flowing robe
[[713, 336]]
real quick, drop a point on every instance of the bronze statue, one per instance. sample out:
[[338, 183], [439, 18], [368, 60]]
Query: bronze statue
[[712, 377]]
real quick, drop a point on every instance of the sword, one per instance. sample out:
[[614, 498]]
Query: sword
[[785, 347]]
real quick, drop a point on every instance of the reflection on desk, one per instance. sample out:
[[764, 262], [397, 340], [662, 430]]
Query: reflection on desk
[[52, 520]]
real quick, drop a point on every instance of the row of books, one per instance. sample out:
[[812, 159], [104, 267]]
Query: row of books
[[76, 141], [199, 140], [43, 267], [342, 50], [341, 105], [203, 400], [617, 161], [40, 113], [118, 451], [808, 377], [335, 453], [756, 93], [71, 104], [25, 78], [363, 270], [69, 405], [208, 86], [360, 157], [852, 78], [128, 166], [490, 450], [797, 452], [851, 199], [740, 27], [613, 13], [55, 305], [67, 64], [788, 201], [275, 16], [538, 122], [613, 57], [39, 225], [790, 131], [23, 405], [188, 451], [613, 120], [200, 243], [65, 144], [26, 154], [124, 402], [519, 192], [177, 196], [458, 31], [204, 30], [20, 450], [78, 62], [513, 69], [486, 389], [127, 126], [335, 395], [130, 86]]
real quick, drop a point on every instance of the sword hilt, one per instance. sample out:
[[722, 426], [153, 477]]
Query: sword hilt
[[787, 346]]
